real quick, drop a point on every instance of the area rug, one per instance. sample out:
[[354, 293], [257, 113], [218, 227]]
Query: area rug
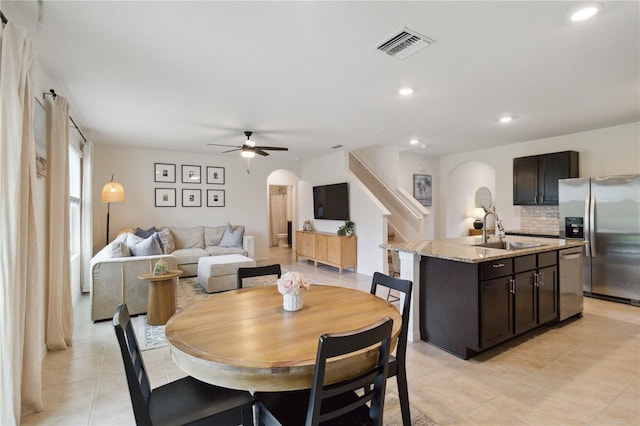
[[393, 415]]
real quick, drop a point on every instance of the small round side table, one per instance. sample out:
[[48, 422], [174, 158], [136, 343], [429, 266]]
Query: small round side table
[[162, 296]]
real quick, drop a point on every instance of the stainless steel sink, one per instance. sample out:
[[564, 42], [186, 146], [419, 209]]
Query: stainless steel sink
[[508, 245]]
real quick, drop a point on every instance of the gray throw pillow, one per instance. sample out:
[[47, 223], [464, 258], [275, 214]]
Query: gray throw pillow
[[232, 238], [145, 233], [143, 246]]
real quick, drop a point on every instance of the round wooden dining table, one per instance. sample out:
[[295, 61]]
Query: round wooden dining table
[[243, 339]]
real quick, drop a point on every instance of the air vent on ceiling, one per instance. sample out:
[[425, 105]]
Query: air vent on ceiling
[[404, 43], [336, 146]]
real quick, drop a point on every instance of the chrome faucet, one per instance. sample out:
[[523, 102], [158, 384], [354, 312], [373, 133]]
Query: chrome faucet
[[501, 233]]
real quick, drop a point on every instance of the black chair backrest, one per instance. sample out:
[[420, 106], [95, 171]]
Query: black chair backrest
[[137, 379], [403, 286], [373, 381], [258, 271]]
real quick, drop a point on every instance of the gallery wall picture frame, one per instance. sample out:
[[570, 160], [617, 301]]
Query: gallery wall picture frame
[[164, 172], [191, 174], [165, 197], [191, 198], [422, 189], [215, 197], [215, 175]]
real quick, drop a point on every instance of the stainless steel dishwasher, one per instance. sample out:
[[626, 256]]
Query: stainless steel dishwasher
[[571, 278]]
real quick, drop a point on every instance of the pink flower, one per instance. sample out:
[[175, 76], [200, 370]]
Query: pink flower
[[292, 283]]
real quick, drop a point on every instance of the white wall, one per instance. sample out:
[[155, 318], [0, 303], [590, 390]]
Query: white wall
[[246, 195], [411, 164], [364, 212], [608, 151]]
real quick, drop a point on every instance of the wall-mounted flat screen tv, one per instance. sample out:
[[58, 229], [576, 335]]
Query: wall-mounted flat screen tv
[[331, 202]]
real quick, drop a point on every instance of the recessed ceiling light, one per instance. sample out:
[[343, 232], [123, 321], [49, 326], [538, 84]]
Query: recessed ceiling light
[[406, 91], [584, 13], [414, 141], [505, 119]]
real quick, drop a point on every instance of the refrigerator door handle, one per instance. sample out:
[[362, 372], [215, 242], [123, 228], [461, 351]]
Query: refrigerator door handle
[[587, 225], [592, 226]]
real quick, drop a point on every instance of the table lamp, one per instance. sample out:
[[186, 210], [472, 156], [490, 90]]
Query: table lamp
[[112, 192]]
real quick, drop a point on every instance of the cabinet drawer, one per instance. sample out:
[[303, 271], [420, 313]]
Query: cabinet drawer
[[547, 259], [524, 263], [495, 269]]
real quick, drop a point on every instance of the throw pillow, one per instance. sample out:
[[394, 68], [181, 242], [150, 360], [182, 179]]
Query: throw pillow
[[146, 233], [144, 247], [166, 240], [119, 249], [232, 238]]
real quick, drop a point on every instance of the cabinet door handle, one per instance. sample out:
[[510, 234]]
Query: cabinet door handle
[[512, 286], [498, 265], [540, 279], [536, 279]]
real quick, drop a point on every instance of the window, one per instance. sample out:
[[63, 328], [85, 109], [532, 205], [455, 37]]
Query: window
[[75, 191]]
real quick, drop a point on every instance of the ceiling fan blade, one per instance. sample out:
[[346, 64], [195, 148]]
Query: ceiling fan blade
[[218, 144], [260, 152], [231, 150], [272, 148]]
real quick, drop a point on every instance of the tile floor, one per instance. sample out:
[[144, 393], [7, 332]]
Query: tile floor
[[586, 371]]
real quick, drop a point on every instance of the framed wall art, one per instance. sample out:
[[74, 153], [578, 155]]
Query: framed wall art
[[165, 197], [215, 197], [191, 198], [422, 189], [164, 173], [215, 175], [191, 174]]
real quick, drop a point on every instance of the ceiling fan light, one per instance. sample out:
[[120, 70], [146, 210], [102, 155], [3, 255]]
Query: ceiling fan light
[[250, 143], [248, 154]]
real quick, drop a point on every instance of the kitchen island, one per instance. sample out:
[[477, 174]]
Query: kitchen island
[[471, 298]]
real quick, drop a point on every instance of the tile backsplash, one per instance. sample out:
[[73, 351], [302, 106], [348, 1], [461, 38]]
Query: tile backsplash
[[541, 219]]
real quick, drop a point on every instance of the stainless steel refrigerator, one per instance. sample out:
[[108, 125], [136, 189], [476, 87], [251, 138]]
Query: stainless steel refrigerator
[[605, 212]]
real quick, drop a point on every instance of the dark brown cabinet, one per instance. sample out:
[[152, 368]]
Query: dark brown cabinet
[[535, 178], [468, 308]]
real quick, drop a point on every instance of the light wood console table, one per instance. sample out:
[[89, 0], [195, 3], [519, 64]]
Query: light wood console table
[[330, 249]]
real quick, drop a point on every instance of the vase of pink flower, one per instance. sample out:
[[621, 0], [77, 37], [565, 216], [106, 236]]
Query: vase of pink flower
[[292, 286]]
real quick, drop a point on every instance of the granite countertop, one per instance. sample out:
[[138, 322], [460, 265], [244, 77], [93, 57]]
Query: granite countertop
[[463, 250]]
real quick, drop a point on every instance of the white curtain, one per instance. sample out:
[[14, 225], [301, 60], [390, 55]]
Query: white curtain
[[59, 304], [87, 216], [21, 292]]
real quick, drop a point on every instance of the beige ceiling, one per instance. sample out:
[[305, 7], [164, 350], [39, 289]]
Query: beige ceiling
[[307, 75]]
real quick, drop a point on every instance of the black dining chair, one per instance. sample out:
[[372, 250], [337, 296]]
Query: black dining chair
[[397, 363], [183, 401], [258, 271], [339, 403]]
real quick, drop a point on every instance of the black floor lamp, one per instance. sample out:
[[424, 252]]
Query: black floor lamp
[[112, 192]]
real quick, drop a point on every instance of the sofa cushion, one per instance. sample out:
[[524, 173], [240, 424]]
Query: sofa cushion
[[166, 241], [217, 250], [145, 233], [213, 235], [188, 237], [143, 246], [186, 256], [232, 238]]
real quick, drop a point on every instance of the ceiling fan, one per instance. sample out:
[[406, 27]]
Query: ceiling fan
[[250, 149]]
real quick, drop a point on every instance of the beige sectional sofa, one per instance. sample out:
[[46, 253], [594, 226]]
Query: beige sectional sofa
[[114, 272]]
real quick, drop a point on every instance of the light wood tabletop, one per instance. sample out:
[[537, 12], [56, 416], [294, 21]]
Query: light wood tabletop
[[243, 339]]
